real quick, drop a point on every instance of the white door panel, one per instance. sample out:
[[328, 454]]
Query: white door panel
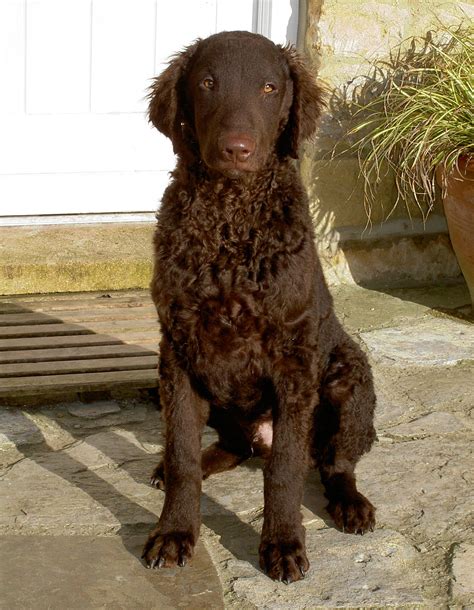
[[179, 23], [235, 15], [12, 56], [82, 143], [123, 50], [58, 58], [89, 193]]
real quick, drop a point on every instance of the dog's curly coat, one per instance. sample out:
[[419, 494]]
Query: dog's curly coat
[[250, 343]]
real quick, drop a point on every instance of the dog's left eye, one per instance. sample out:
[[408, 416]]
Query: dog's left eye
[[208, 83], [269, 88]]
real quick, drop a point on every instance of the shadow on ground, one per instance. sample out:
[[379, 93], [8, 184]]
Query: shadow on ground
[[241, 539]]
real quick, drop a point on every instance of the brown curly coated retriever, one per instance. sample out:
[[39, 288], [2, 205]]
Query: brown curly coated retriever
[[251, 344]]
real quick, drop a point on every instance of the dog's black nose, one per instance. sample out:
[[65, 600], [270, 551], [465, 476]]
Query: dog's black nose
[[237, 147]]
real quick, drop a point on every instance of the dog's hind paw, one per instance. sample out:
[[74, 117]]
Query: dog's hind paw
[[353, 516]]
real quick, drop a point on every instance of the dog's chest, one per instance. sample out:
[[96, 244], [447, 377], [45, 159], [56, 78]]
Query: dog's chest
[[227, 349], [235, 229], [217, 287]]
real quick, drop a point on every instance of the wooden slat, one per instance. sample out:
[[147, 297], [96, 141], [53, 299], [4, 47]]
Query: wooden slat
[[31, 343], [10, 308], [80, 382], [35, 330], [138, 293], [77, 366], [57, 306], [113, 326], [30, 318], [79, 340], [41, 330], [27, 319], [87, 300], [73, 353]]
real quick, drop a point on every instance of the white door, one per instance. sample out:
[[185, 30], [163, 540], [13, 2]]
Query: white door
[[73, 76]]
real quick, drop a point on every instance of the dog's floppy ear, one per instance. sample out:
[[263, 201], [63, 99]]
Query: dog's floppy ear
[[167, 104], [306, 105]]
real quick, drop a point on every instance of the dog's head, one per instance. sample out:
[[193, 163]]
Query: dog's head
[[234, 99]]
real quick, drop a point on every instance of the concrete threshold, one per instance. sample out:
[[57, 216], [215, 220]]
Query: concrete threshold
[[118, 256], [75, 258]]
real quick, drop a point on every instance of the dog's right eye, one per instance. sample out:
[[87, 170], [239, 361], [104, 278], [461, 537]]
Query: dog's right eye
[[207, 83], [269, 88]]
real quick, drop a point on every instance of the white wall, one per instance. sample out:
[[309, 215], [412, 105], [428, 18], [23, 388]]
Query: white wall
[[73, 76]]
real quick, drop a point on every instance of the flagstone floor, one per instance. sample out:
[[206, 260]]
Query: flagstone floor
[[75, 503]]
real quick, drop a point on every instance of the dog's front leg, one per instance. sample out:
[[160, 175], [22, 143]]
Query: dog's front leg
[[282, 548], [172, 541]]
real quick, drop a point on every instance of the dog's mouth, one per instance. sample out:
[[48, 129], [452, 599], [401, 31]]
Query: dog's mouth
[[236, 172]]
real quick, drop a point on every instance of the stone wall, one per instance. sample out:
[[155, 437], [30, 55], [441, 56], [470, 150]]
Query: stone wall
[[342, 37]]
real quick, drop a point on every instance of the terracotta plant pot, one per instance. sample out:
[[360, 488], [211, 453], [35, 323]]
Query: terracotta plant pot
[[458, 201]]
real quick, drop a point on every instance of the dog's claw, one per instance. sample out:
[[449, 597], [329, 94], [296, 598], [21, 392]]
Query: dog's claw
[[155, 482], [302, 572], [182, 562]]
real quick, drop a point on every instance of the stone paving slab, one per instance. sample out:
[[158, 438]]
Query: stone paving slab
[[94, 410], [379, 570], [17, 429], [422, 488], [75, 503], [93, 486], [434, 424], [59, 572], [463, 574], [434, 342]]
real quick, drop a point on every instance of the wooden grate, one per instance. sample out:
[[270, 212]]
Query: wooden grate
[[77, 343]]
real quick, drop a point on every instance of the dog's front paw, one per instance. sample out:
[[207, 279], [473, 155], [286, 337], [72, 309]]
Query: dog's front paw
[[168, 550], [157, 478], [284, 561], [355, 515]]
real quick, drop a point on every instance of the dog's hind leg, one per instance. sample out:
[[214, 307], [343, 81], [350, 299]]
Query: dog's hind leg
[[218, 459], [232, 448], [214, 459], [343, 433]]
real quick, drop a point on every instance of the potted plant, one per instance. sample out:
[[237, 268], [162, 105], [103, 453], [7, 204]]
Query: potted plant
[[420, 125]]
